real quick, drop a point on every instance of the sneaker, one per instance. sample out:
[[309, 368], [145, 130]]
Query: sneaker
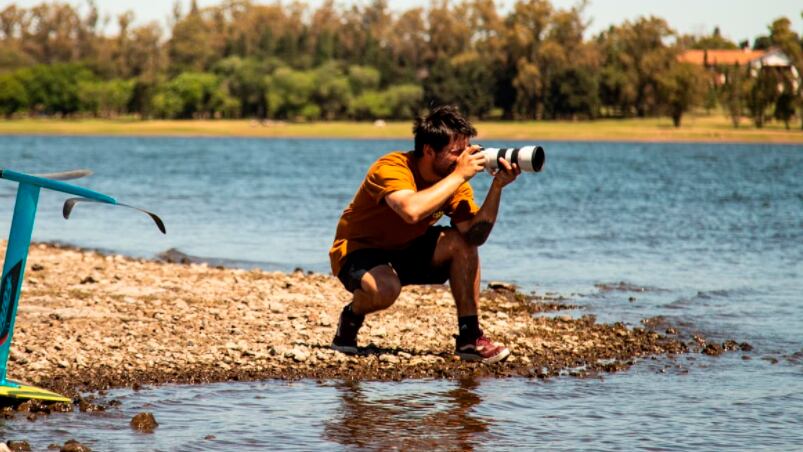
[[482, 349], [345, 340]]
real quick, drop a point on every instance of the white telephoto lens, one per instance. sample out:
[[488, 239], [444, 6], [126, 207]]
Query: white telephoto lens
[[529, 158]]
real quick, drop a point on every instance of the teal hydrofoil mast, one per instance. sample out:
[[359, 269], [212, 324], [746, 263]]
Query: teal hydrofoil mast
[[19, 240]]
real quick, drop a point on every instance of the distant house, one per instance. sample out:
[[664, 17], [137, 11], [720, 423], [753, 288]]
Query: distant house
[[717, 60]]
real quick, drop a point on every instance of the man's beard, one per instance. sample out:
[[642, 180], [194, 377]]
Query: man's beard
[[443, 170]]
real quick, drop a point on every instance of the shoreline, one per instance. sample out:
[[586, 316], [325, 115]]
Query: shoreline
[[88, 322], [705, 129]]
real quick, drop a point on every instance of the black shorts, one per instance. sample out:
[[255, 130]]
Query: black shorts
[[413, 264]]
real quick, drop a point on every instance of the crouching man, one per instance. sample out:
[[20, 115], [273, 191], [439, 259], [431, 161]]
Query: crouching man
[[387, 238]]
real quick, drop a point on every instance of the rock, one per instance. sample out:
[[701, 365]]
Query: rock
[[89, 280], [175, 256], [209, 437], [20, 446], [74, 446], [379, 332], [87, 407], [37, 267], [502, 286], [713, 349], [298, 355], [144, 422]]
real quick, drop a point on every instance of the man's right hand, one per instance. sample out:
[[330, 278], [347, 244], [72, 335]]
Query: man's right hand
[[470, 162]]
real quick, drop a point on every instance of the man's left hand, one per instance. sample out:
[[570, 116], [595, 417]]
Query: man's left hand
[[506, 173]]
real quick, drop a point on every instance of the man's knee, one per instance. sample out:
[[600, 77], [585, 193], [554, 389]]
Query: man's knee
[[383, 285], [458, 246]]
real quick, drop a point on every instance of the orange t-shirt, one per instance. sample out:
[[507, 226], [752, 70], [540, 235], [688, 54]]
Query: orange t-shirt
[[368, 222]]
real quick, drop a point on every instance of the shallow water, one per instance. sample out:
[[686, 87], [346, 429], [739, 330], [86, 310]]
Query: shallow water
[[708, 236]]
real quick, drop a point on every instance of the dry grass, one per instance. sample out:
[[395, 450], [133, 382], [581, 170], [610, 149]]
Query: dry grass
[[714, 128]]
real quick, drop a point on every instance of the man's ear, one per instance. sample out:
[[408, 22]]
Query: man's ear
[[429, 151]]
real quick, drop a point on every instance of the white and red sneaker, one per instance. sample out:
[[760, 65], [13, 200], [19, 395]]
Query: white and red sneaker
[[482, 349]]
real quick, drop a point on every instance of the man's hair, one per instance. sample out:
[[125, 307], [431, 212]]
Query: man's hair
[[439, 128]]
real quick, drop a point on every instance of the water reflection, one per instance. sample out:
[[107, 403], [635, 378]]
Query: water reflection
[[441, 420]]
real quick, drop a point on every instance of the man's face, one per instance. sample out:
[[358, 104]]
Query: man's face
[[446, 160]]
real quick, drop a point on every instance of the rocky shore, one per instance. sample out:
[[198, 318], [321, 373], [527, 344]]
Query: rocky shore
[[88, 321]]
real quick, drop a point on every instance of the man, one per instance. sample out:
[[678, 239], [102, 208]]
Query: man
[[386, 237]]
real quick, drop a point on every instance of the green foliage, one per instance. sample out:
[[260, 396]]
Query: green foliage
[[762, 93], [54, 89], [333, 91], [287, 60], [13, 97], [734, 92], [404, 100], [397, 102], [370, 105], [785, 107], [573, 93], [190, 95], [105, 99], [289, 91], [363, 78], [712, 42], [680, 88], [245, 81], [465, 81]]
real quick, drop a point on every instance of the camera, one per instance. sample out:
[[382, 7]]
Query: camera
[[529, 158]]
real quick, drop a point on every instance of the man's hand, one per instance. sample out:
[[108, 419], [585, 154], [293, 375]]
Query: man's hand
[[470, 162], [506, 173]]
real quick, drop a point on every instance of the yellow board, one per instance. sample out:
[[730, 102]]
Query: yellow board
[[21, 391]]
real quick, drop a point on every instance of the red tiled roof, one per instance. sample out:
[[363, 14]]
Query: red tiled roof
[[720, 57]]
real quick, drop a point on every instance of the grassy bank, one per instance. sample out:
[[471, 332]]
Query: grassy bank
[[695, 128]]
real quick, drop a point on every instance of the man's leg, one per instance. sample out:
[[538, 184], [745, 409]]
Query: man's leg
[[464, 270], [379, 289], [464, 280]]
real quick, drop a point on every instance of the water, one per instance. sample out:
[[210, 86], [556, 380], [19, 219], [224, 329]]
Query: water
[[709, 236]]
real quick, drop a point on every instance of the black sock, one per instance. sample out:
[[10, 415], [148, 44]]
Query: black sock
[[469, 327], [353, 318]]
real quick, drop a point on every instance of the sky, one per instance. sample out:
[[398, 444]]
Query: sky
[[738, 19]]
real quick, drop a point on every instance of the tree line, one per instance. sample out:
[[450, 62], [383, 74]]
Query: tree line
[[240, 59]]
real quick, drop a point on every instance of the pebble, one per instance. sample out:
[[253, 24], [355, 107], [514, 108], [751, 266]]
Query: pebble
[[74, 446], [144, 422]]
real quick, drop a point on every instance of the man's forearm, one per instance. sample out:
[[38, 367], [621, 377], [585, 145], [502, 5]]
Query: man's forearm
[[425, 202], [481, 225]]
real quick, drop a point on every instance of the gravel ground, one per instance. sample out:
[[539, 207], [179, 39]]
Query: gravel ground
[[88, 321]]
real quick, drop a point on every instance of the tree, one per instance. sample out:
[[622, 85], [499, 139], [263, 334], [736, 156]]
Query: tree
[[54, 89], [782, 36], [289, 92], [105, 98], [636, 54], [13, 97], [464, 81], [189, 95], [714, 41], [573, 93], [762, 92], [682, 87], [785, 106], [333, 90], [245, 81], [734, 92], [191, 47]]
